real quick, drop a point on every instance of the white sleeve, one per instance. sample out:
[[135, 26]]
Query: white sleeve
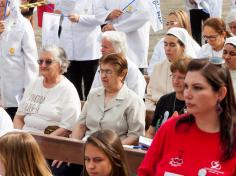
[[137, 19], [30, 54], [5, 121], [96, 80], [71, 110]]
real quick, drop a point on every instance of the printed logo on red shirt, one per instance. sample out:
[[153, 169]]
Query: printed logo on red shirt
[[214, 168], [177, 161]]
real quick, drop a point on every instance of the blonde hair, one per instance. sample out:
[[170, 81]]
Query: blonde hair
[[183, 19], [21, 156]]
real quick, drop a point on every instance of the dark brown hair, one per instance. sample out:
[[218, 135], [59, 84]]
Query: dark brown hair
[[218, 76], [109, 142]]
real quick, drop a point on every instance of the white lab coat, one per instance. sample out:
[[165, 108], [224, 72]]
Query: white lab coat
[[134, 22], [134, 80], [213, 7], [80, 40], [18, 61]]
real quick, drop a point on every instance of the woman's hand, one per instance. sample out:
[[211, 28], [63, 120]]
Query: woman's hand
[[2, 26], [108, 27], [73, 17]]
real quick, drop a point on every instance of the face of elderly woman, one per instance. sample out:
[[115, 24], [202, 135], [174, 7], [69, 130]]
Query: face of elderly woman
[[49, 67], [232, 27], [229, 54], [178, 81], [214, 39], [107, 47], [109, 76], [172, 47]]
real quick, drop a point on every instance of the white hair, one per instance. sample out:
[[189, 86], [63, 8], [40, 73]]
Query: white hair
[[118, 41]]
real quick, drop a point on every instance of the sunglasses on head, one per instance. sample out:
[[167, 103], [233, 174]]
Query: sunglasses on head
[[47, 62], [216, 60]]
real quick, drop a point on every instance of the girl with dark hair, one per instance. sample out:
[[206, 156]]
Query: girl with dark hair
[[201, 142], [104, 155]]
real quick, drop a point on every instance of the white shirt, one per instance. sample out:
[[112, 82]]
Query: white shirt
[[18, 61], [56, 106], [5, 122], [134, 80], [134, 22], [206, 52], [80, 40]]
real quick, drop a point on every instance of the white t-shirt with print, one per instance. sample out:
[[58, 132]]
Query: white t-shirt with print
[[56, 106]]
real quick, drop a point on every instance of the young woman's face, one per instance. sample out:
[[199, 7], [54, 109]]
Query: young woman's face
[[96, 162], [2, 169], [229, 54], [172, 21], [173, 49], [198, 94], [214, 39]]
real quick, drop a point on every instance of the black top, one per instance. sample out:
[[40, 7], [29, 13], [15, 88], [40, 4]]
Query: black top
[[169, 103]]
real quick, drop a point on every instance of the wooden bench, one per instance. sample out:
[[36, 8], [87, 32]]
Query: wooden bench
[[71, 150]]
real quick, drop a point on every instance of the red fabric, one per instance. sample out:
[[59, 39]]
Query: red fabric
[[41, 9], [185, 151]]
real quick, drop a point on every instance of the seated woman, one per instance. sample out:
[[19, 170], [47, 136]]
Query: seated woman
[[172, 102], [104, 155], [201, 142], [229, 55], [112, 106], [215, 33], [5, 122], [177, 45], [52, 100], [20, 156]]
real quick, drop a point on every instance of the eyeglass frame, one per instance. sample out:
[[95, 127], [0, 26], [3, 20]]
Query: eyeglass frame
[[47, 62], [210, 37], [106, 72]]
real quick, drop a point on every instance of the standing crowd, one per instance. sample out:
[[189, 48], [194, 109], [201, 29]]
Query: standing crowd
[[93, 80]]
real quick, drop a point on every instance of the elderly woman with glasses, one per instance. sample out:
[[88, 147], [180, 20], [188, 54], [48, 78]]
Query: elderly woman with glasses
[[172, 102], [215, 33], [113, 106], [201, 142], [50, 104]]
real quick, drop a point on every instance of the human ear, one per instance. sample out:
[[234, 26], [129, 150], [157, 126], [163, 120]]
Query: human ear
[[222, 93]]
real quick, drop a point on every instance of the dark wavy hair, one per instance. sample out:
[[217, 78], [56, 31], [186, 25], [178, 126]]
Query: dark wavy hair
[[109, 142], [218, 76]]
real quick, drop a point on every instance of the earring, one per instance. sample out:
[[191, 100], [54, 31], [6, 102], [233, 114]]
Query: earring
[[218, 107]]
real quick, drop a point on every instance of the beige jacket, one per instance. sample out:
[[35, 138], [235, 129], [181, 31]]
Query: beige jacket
[[125, 114], [159, 84]]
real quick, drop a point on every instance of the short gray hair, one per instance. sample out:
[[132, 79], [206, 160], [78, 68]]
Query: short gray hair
[[118, 41], [59, 54]]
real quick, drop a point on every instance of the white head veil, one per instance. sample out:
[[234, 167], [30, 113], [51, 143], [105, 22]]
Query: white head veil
[[191, 46], [231, 40]]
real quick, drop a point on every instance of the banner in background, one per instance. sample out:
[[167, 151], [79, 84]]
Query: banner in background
[[156, 17]]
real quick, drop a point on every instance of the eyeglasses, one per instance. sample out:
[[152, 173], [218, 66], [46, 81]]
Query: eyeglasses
[[47, 62], [210, 37], [179, 78], [216, 60], [106, 72]]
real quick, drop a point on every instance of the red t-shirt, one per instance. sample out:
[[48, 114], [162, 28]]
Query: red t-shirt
[[187, 151]]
